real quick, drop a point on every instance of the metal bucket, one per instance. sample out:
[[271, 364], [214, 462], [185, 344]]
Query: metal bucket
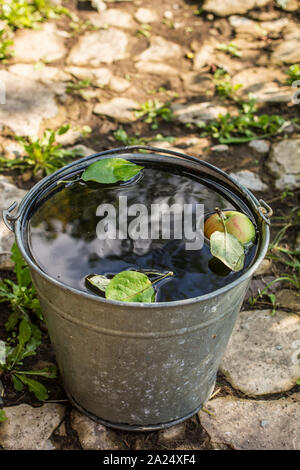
[[139, 366]]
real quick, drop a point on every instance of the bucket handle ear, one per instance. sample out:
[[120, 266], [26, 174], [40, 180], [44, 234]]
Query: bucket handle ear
[[9, 219], [265, 211]]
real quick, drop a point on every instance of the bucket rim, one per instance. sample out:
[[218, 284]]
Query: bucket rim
[[252, 203]]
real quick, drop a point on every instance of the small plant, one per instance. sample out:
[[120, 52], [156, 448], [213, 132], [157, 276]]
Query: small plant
[[231, 49], [5, 46], [2, 416], [152, 111], [244, 127], [291, 279], [285, 259], [294, 74], [282, 3], [42, 155], [164, 90], [168, 22], [145, 30], [26, 14], [78, 86], [121, 136], [21, 296], [199, 11], [224, 86], [16, 350]]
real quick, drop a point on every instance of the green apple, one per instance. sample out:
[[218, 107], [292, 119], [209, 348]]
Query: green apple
[[236, 223]]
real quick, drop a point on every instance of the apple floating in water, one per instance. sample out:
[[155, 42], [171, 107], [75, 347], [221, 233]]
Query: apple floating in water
[[236, 223]]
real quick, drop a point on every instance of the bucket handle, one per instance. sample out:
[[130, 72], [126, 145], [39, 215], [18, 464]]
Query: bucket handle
[[263, 209], [9, 219]]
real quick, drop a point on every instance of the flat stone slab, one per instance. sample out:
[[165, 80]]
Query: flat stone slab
[[253, 425], [119, 84], [243, 25], [33, 45], [156, 68], [289, 299], [205, 55], [145, 15], [197, 112], [121, 109], [232, 7], [99, 76], [159, 50], [28, 102], [250, 180], [29, 428], [92, 436], [284, 163], [261, 146], [112, 17], [263, 84], [198, 82], [44, 73], [9, 193], [262, 355], [97, 47], [288, 51]]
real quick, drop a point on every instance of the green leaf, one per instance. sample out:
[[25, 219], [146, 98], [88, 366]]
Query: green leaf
[[130, 286], [298, 382], [111, 170], [17, 384], [24, 332], [98, 281], [228, 249], [12, 320], [2, 416], [49, 372], [35, 387], [21, 270], [63, 129]]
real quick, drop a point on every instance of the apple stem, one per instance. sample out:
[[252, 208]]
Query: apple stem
[[222, 217]]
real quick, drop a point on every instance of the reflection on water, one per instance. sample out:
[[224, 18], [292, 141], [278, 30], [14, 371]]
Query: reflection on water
[[63, 241]]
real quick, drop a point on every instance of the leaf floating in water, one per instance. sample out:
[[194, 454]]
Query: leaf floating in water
[[130, 286], [228, 249], [218, 267], [98, 281], [111, 170]]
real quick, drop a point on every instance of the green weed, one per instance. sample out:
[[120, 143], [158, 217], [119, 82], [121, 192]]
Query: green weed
[[25, 336], [230, 48], [145, 30], [293, 73], [26, 14], [287, 259], [42, 155], [152, 111], [245, 126], [5, 46], [224, 86], [121, 136]]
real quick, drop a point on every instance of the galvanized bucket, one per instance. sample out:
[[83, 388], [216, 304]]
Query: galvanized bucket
[[139, 366]]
